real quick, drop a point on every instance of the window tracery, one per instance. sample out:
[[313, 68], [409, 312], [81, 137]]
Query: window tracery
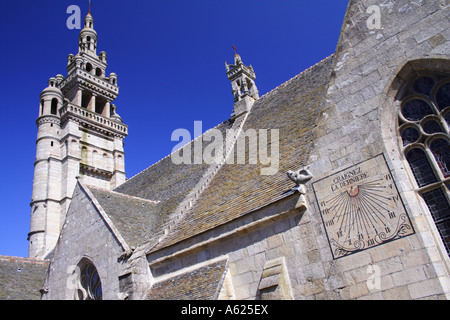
[[424, 121], [89, 285]]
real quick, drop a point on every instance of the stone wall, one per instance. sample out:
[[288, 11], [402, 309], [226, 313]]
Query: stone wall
[[84, 235], [399, 270], [359, 121]]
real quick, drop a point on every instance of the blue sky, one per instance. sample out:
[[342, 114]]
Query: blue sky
[[169, 57]]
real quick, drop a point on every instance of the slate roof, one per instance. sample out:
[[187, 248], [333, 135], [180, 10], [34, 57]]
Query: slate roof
[[293, 108], [166, 182], [203, 283], [21, 278], [135, 218]]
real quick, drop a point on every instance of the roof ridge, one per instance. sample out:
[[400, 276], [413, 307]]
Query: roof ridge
[[23, 259], [172, 153], [188, 203], [295, 77]]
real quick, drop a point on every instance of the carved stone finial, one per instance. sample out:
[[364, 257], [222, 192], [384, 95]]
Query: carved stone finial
[[300, 177], [242, 79]]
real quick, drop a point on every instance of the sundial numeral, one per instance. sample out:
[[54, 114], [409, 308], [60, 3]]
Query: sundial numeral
[[392, 215], [326, 211], [370, 242], [329, 223], [395, 198]]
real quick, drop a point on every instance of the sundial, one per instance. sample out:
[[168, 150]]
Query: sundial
[[361, 207]]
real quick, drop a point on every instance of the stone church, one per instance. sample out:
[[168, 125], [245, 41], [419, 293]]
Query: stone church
[[351, 199]]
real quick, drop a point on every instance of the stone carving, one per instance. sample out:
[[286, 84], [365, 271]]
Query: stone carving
[[300, 177]]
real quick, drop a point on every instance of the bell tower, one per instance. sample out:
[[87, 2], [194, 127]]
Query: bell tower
[[80, 135]]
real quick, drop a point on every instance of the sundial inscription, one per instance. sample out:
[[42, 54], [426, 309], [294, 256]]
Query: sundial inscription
[[361, 207]]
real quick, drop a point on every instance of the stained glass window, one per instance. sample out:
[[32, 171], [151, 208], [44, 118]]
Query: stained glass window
[[416, 109], [424, 85], [443, 96], [441, 152], [426, 143], [410, 135], [421, 168], [90, 287], [439, 208], [432, 126]]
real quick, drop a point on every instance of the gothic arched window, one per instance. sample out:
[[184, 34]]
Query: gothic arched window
[[89, 285], [424, 121]]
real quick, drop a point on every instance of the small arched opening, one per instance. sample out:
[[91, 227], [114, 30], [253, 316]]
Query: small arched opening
[[54, 106]]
